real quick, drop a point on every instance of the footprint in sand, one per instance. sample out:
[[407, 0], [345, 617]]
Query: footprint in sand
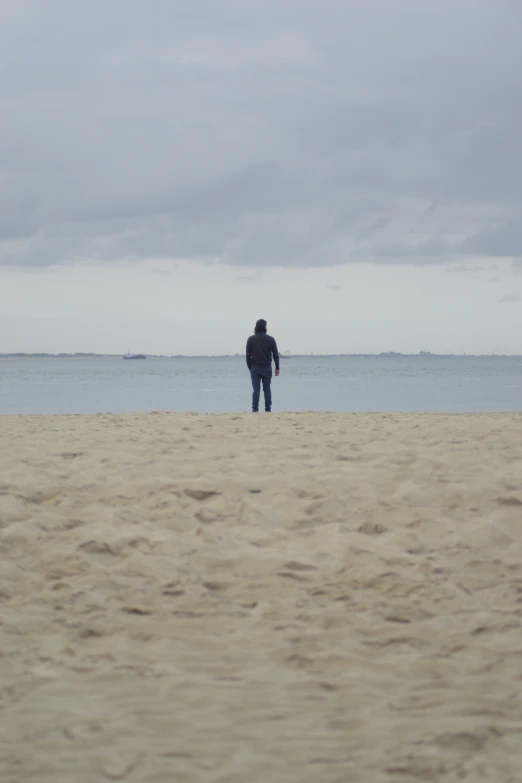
[[294, 565], [372, 528], [200, 494]]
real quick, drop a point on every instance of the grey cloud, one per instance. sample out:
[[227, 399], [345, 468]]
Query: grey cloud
[[334, 287], [510, 298], [371, 231], [392, 251], [257, 275], [162, 272], [260, 133], [465, 268], [504, 239]]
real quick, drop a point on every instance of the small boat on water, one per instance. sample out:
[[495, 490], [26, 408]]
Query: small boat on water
[[135, 356]]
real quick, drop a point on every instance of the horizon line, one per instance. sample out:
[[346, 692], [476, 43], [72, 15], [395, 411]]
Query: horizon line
[[286, 355]]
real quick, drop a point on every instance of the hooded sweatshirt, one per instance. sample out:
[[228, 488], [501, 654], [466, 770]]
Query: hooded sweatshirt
[[260, 349]]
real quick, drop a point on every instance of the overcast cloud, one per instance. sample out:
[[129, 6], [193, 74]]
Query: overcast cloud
[[260, 132]]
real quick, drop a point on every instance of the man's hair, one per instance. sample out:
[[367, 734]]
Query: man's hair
[[260, 326]]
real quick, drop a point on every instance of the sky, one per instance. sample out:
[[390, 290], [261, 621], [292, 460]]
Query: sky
[[173, 170]]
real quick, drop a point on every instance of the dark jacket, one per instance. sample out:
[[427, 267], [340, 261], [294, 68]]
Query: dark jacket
[[260, 349]]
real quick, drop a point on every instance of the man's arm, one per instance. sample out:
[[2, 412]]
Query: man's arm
[[275, 354], [249, 353]]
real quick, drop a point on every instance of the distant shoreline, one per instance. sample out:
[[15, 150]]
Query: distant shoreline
[[382, 355]]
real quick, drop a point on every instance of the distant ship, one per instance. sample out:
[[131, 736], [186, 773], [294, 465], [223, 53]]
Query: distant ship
[[135, 356]]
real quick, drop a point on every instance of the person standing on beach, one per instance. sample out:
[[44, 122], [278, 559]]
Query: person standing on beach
[[260, 349]]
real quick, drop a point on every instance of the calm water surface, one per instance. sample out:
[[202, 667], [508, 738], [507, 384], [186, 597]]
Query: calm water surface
[[223, 385]]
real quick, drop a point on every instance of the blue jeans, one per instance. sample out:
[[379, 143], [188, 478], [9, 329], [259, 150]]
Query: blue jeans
[[261, 373]]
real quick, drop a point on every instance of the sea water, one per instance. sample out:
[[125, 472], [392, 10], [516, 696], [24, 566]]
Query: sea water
[[218, 385]]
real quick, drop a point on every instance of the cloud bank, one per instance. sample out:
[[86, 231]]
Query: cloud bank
[[259, 132]]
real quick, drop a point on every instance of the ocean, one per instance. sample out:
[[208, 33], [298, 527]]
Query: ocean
[[219, 385]]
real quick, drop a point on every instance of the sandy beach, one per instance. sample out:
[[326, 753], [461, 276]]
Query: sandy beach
[[308, 598]]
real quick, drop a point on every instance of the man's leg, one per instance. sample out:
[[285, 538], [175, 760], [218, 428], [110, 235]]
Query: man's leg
[[267, 391], [256, 386]]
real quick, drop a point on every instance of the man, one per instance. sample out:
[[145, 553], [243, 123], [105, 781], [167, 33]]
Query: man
[[260, 349]]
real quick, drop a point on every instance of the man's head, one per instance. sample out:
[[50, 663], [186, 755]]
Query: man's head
[[260, 326]]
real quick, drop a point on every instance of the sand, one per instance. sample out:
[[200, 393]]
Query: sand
[[255, 599]]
